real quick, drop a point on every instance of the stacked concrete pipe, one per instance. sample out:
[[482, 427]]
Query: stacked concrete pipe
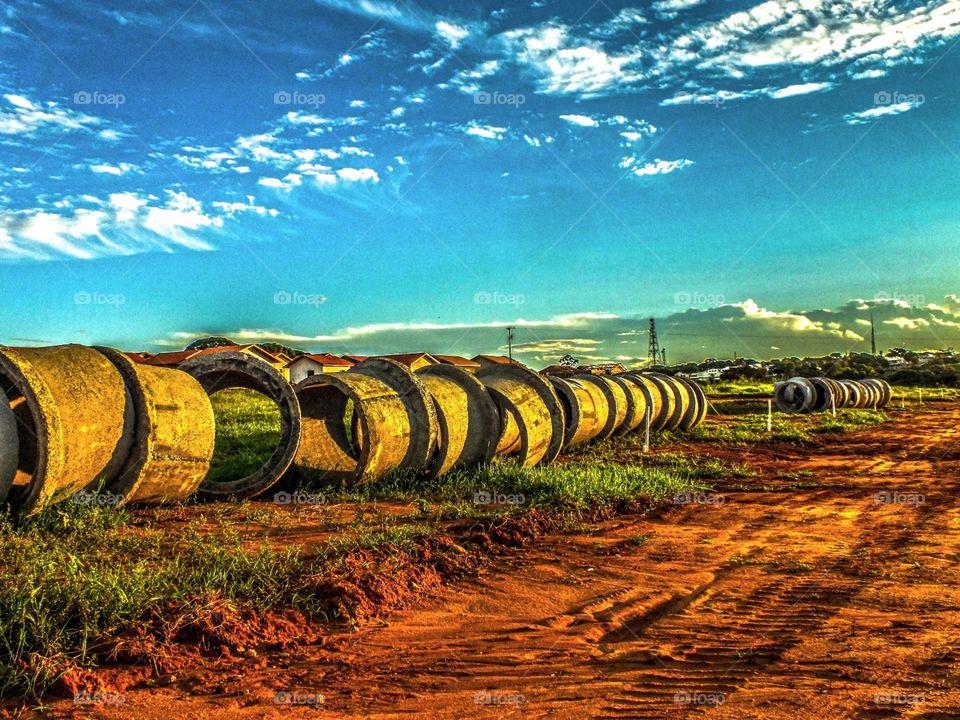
[[819, 394], [531, 415], [232, 369], [585, 409]]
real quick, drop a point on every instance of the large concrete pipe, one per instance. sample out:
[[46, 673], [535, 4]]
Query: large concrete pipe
[[823, 394], [469, 423], [535, 409], [698, 404], [377, 442], [616, 398], [636, 404], [74, 422], [174, 433], [231, 369], [679, 395], [854, 393], [659, 397], [422, 423], [884, 391], [796, 395], [585, 409], [9, 447]]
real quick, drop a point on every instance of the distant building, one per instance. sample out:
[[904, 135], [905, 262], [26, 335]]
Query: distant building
[[414, 361], [355, 359], [460, 362], [175, 359], [492, 360], [709, 375], [308, 364]]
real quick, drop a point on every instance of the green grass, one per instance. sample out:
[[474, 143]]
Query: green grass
[[797, 429], [248, 431]]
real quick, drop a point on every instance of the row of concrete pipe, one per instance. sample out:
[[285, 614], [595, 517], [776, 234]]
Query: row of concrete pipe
[[820, 394], [91, 420]]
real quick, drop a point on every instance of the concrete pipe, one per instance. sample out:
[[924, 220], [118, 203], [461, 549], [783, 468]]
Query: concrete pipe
[[796, 395], [377, 442], [681, 399], [854, 393], [74, 422], [9, 447], [422, 423], [174, 433], [884, 391], [698, 404], [231, 369], [842, 393], [468, 420], [616, 399], [823, 394], [660, 398], [535, 409], [585, 407], [636, 404]]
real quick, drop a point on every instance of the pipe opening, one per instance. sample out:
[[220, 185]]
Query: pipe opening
[[248, 431]]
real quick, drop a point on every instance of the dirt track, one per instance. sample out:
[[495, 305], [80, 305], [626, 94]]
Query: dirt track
[[799, 597]]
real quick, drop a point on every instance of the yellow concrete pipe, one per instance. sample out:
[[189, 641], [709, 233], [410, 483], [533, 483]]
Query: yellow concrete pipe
[[232, 369], [585, 407], [469, 423], [422, 426], [74, 422], [663, 397], [174, 432], [681, 399], [330, 451], [636, 404], [535, 409], [616, 398]]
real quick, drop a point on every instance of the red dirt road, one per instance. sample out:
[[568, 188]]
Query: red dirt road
[[782, 597]]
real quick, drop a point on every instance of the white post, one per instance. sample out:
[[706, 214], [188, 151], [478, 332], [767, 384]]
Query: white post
[[646, 440], [769, 415], [833, 405]]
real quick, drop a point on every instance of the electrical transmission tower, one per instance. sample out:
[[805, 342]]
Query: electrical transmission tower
[[654, 351]]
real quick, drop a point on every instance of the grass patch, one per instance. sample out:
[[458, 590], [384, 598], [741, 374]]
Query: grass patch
[[248, 432], [795, 429]]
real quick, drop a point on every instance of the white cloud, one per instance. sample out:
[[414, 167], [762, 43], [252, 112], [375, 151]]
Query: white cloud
[[118, 169], [487, 132], [800, 89], [875, 113], [453, 34], [358, 175], [657, 167], [581, 120], [27, 118]]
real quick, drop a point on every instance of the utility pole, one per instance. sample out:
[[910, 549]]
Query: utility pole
[[510, 329], [663, 357], [654, 350], [873, 337]]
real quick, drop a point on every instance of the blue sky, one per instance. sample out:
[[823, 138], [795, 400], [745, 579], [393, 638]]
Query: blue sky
[[372, 176]]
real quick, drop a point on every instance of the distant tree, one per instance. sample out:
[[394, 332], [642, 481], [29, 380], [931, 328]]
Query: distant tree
[[273, 347], [210, 342], [569, 361]]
